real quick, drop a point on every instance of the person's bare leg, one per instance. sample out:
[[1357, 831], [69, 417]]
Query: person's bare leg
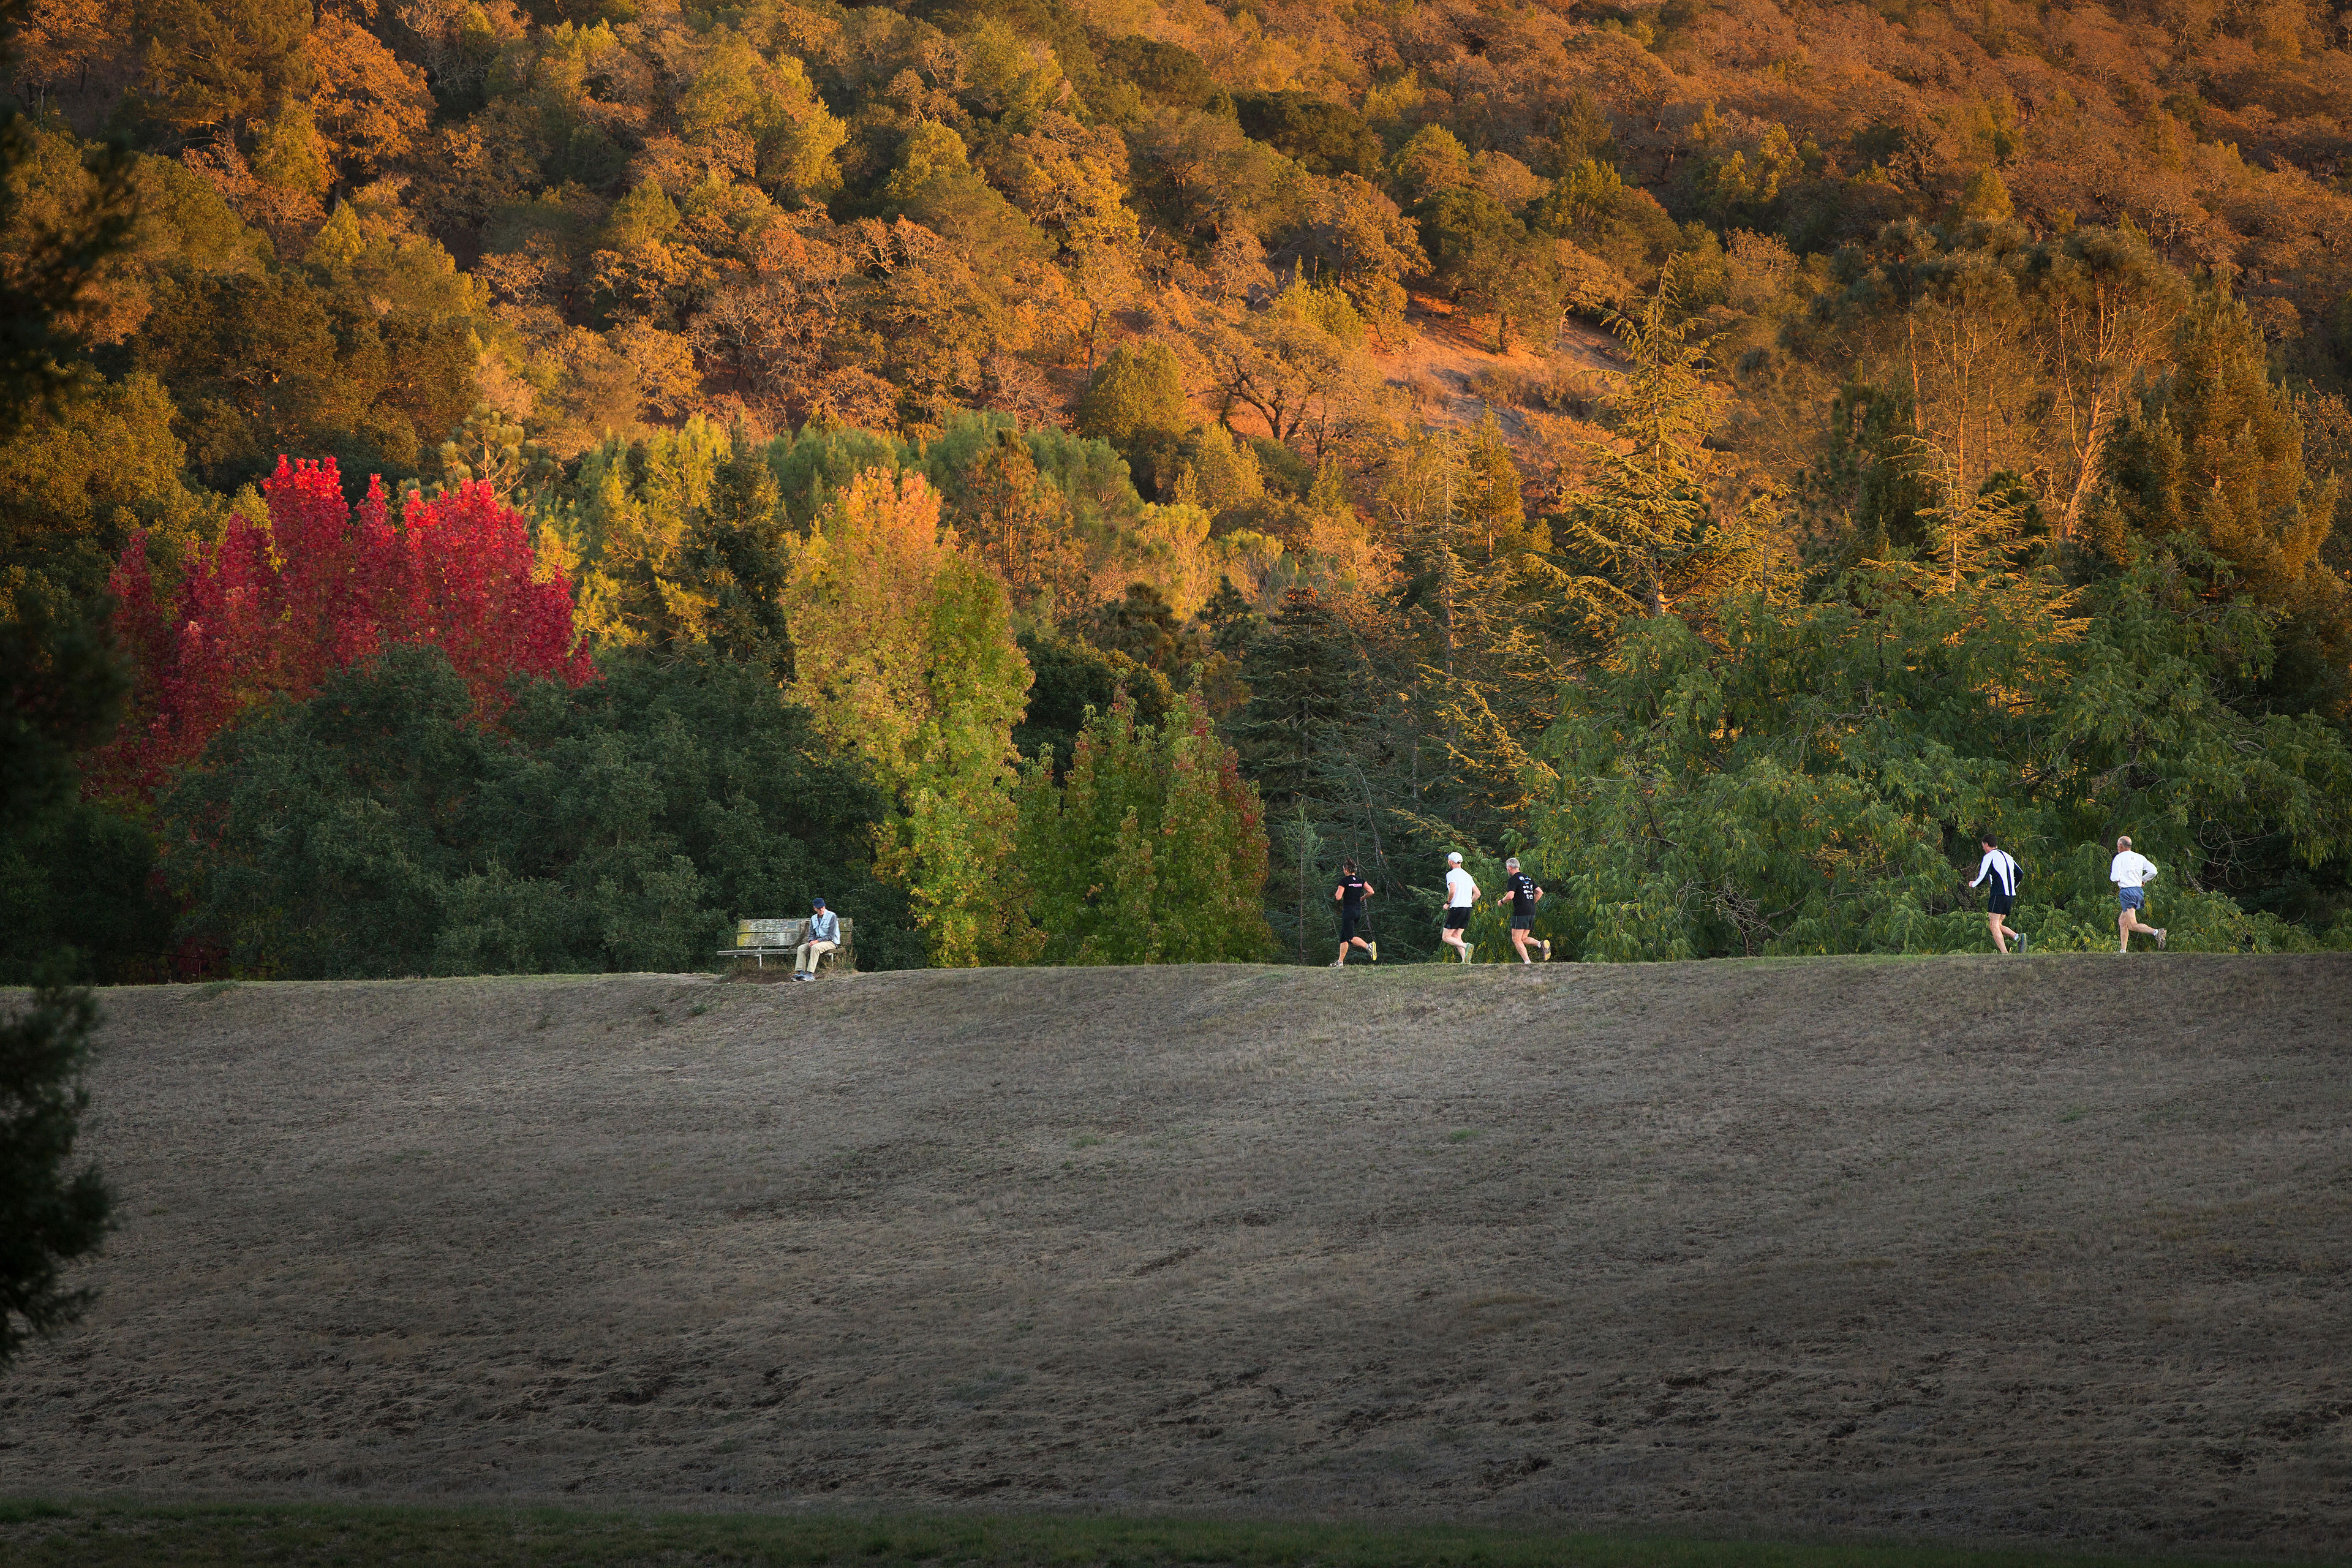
[[2000, 933], [2125, 926]]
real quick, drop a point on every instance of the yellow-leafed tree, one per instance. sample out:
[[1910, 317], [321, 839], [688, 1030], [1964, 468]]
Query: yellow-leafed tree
[[904, 654]]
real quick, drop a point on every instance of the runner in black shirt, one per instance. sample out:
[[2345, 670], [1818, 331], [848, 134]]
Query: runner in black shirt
[[1520, 889], [1350, 895]]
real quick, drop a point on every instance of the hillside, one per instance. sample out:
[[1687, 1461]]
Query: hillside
[[2054, 1248], [1423, 413]]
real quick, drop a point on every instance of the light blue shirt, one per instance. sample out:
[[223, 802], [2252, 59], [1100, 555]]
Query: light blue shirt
[[824, 926]]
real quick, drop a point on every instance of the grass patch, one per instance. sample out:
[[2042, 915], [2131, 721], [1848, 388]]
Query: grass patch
[[121, 1536]]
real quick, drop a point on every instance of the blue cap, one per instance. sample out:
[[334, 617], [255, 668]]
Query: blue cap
[[818, 903]]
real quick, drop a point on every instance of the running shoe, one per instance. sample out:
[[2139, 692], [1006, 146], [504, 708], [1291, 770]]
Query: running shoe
[[2159, 936], [2021, 939], [1374, 949], [1547, 947]]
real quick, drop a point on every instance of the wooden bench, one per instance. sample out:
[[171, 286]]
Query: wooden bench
[[761, 941]]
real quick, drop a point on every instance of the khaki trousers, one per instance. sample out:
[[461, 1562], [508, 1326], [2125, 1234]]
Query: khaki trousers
[[804, 963]]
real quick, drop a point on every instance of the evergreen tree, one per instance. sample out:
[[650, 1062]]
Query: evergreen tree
[[378, 829], [1481, 675], [1136, 402], [739, 548], [61, 689], [1866, 483], [1639, 533], [1305, 675], [2215, 451], [1142, 624], [51, 1212], [1138, 393], [223, 65], [1305, 678]]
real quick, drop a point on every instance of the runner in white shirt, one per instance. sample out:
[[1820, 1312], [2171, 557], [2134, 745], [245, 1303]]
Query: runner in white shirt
[[2131, 873], [1999, 868], [1461, 897]]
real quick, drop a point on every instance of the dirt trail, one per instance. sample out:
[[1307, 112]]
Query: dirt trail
[[2057, 1248]]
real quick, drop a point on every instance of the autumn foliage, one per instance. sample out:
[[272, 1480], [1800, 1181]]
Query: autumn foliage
[[280, 604]]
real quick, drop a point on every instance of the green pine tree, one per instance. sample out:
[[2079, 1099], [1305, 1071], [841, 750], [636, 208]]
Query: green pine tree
[[1639, 534], [740, 547]]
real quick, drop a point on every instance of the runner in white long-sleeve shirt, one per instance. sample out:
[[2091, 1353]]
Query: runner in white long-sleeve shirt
[[1999, 867], [2131, 872]]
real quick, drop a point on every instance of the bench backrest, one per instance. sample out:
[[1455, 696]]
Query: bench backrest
[[781, 933]]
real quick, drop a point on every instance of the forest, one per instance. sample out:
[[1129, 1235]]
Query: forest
[[512, 487]]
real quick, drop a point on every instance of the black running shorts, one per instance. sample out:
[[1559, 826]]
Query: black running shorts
[[1457, 919], [1351, 924], [1523, 922], [2000, 904]]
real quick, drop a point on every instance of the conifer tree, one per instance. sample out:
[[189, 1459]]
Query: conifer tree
[[1641, 530], [60, 690], [1305, 675], [2215, 451], [51, 1211], [1481, 675], [739, 546]]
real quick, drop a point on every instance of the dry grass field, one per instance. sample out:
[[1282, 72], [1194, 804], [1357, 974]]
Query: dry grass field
[[2054, 1250]]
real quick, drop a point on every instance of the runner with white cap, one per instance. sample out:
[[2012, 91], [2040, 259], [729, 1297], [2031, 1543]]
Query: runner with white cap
[[1460, 898], [2131, 872]]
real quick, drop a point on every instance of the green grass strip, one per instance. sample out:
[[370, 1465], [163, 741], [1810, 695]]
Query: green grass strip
[[196, 1535]]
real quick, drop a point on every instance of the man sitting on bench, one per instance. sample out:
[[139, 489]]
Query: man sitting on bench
[[823, 935]]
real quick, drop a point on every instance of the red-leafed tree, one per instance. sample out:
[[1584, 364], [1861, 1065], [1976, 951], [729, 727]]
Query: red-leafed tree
[[278, 605]]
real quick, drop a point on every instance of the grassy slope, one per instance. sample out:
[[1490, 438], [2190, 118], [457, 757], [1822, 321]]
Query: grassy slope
[[2044, 1251]]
